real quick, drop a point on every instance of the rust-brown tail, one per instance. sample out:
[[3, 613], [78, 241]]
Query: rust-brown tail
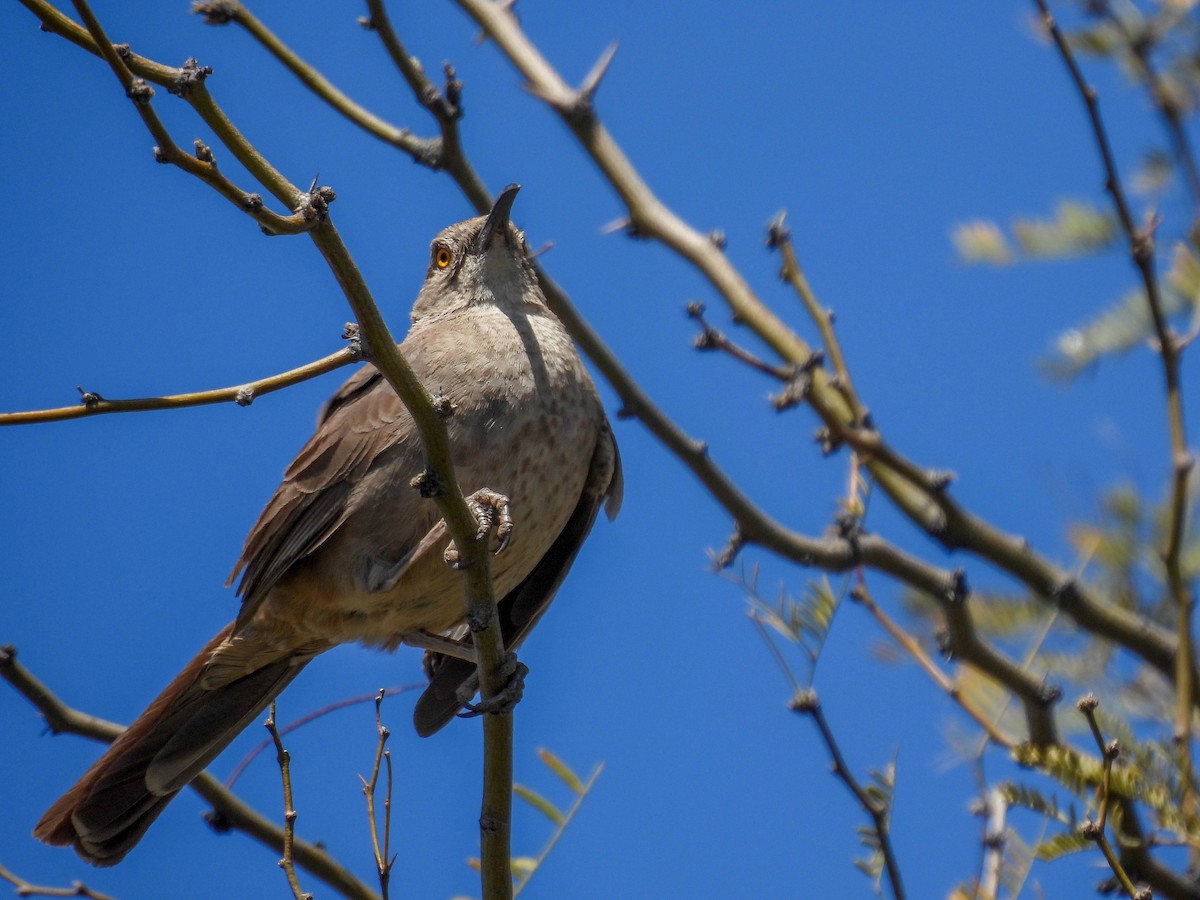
[[109, 809]]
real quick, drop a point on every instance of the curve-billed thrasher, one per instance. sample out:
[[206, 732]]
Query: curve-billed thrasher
[[347, 550]]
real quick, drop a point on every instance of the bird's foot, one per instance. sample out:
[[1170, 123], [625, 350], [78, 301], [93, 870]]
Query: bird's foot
[[491, 511], [503, 701]]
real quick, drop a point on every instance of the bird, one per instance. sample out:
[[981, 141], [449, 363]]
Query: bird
[[346, 550]]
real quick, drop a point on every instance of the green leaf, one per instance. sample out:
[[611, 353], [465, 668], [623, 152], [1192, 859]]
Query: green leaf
[[562, 770], [540, 803], [1076, 228], [1033, 799], [1128, 323], [981, 242], [1063, 845], [523, 866]]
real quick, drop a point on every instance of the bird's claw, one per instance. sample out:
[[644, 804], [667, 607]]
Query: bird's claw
[[491, 511], [504, 700]]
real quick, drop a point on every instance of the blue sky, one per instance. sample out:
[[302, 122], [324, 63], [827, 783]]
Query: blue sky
[[877, 126]]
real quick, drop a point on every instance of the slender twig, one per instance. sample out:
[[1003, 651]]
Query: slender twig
[[1140, 48], [92, 404], [230, 812], [306, 719], [711, 338], [779, 237], [288, 862], [443, 105], [197, 95], [424, 150], [23, 888], [760, 626], [381, 848], [807, 703], [184, 82], [862, 595], [1094, 830], [1141, 249]]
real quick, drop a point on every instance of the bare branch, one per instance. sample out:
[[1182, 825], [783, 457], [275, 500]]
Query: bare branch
[[1141, 251], [424, 150], [913, 647], [23, 888], [808, 704], [288, 862], [229, 812], [92, 404]]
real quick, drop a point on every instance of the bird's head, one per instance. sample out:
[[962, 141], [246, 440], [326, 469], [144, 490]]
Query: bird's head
[[483, 260]]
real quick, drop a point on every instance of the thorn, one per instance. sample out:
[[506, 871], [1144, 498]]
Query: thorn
[[777, 231], [312, 187], [587, 90], [623, 224]]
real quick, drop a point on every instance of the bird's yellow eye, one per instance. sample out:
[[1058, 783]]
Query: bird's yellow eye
[[442, 257]]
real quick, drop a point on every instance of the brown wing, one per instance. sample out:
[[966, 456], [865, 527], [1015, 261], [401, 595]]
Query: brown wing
[[521, 608], [353, 428]]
